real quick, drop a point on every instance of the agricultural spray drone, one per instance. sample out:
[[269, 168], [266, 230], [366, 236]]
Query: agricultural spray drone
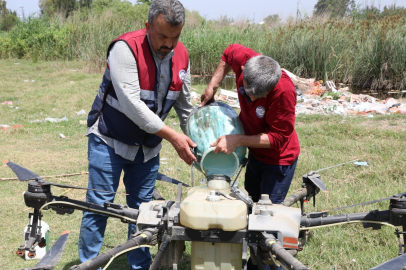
[[234, 224]]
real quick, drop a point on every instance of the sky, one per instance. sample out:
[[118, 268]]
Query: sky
[[255, 10]]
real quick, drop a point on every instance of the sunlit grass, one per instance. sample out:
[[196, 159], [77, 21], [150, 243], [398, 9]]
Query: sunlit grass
[[64, 88]]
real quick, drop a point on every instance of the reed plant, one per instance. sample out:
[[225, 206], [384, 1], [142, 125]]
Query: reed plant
[[369, 52]]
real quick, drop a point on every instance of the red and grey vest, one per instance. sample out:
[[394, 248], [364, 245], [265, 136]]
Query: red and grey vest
[[112, 121]]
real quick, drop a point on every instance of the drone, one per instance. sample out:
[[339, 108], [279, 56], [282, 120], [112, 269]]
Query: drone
[[273, 233]]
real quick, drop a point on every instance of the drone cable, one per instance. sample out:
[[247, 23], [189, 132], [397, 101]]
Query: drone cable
[[91, 210], [335, 165], [122, 252], [348, 222], [359, 204]]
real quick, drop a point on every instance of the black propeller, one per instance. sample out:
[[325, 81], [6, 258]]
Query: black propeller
[[164, 178], [24, 174], [53, 255]]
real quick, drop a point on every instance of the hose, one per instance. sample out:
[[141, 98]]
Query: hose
[[143, 238], [122, 252], [160, 253], [269, 243]]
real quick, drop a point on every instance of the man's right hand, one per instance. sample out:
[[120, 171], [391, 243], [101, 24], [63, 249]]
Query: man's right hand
[[180, 142]]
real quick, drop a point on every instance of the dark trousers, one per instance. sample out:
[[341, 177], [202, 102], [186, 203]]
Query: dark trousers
[[274, 180]]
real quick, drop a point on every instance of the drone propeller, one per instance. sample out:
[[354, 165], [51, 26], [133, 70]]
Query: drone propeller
[[24, 174], [315, 178], [53, 256], [164, 178], [396, 263]]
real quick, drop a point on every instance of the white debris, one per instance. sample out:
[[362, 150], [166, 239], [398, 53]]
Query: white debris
[[56, 120], [81, 112]]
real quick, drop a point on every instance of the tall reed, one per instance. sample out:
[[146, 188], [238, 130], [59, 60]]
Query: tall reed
[[368, 53]]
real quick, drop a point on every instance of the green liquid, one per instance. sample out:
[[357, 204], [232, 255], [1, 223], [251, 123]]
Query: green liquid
[[220, 163]]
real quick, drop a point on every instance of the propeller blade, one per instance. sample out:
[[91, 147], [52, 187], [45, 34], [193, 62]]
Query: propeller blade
[[157, 195], [53, 255], [315, 178], [396, 263], [164, 178], [22, 173]]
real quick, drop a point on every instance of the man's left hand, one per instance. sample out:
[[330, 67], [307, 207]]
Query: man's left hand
[[226, 144]]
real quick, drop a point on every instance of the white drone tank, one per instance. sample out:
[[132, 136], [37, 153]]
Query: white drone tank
[[205, 209], [212, 206]]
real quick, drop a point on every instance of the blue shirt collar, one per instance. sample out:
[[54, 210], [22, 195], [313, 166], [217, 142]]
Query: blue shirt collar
[[241, 90]]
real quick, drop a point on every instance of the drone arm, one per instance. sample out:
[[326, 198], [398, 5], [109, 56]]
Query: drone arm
[[144, 237], [297, 196], [269, 243], [318, 219], [63, 205]]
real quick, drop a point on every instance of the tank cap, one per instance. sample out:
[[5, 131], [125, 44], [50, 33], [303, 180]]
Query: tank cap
[[265, 200]]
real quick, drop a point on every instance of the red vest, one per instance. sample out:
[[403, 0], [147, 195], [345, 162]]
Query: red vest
[[138, 43], [116, 124]]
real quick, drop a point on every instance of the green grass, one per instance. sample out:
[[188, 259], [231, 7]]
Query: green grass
[[64, 88]]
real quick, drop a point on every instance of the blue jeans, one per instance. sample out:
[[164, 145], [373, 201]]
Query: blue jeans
[[274, 180], [105, 168]]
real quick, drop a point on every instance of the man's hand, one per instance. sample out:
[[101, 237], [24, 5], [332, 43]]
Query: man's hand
[[226, 144], [180, 142], [207, 96]]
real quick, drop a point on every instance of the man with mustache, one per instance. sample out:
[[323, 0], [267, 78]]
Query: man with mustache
[[147, 74]]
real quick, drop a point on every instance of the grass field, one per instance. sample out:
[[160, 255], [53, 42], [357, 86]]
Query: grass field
[[59, 89]]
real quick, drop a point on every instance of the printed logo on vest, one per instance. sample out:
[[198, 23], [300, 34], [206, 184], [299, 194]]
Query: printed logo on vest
[[182, 75], [260, 111]]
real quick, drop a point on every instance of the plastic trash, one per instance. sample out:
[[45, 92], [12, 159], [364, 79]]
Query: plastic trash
[[81, 112], [56, 120], [35, 121], [361, 163], [7, 103], [331, 86], [62, 136]]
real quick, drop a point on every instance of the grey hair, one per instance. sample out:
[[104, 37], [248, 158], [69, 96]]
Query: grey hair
[[173, 11], [261, 73]]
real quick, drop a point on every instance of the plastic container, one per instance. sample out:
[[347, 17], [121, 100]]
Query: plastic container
[[204, 126], [40, 251], [199, 212], [216, 256]]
